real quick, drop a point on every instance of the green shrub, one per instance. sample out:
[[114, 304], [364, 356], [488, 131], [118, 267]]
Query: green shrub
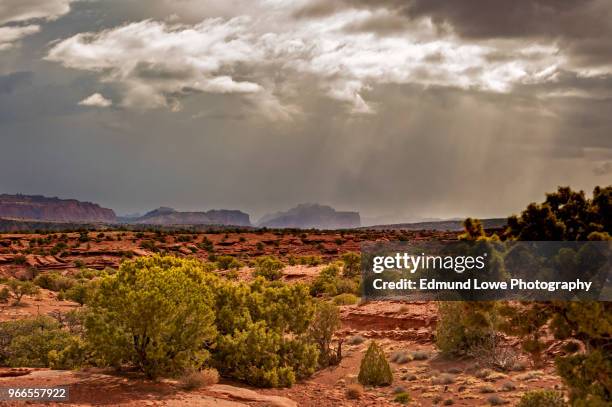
[[568, 215], [465, 326], [588, 374], [402, 398], [346, 299], [5, 294], [54, 282], [149, 245], [254, 355], [269, 268], [155, 313], [21, 288], [79, 293], [264, 336], [352, 264], [166, 316], [542, 398], [330, 283], [309, 260], [19, 259], [325, 323], [39, 342], [374, 369], [228, 263]]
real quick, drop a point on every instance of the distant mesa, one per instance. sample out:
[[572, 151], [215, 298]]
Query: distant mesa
[[37, 207], [307, 216], [170, 216]]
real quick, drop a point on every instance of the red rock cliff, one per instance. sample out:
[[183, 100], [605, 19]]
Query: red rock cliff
[[53, 209]]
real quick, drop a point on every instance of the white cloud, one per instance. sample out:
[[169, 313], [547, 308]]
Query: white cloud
[[154, 63], [23, 10], [9, 36], [96, 100], [18, 11]]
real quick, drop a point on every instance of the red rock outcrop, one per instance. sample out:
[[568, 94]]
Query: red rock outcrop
[[36, 207]]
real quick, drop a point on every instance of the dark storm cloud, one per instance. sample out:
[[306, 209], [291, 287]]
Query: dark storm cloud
[[584, 27], [511, 19], [485, 19]]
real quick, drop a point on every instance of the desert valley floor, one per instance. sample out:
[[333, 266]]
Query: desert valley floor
[[405, 328]]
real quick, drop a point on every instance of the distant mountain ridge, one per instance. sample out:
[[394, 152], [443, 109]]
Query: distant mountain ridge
[[441, 225], [307, 216], [170, 216], [38, 207]]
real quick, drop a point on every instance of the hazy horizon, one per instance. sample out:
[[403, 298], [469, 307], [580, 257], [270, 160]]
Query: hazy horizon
[[401, 110]]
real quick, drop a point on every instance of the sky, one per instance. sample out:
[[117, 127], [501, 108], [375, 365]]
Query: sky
[[399, 109]]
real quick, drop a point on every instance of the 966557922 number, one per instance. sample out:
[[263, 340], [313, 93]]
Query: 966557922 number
[[34, 393]]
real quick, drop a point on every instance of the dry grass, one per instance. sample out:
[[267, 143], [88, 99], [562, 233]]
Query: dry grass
[[197, 379], [496, 401], [356, 340], [444, 378], [354, 391], [419, 355], [400, 357]]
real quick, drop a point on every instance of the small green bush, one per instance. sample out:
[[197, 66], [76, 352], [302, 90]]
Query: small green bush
[[402, 398], [305, 260], [53, 281], [325, 323], [352, 264], [269, 268], [542, 398], [19, 259], [78, 293], [464, 327], [264, 336], [5, 294], [346, 299], [228, 263], [21, 288], [330, 283], [39, 342], [374, 369]]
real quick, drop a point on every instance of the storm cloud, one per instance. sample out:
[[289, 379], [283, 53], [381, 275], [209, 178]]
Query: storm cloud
[[398, 109]]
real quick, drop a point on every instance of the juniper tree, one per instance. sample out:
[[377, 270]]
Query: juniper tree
[[569, 215]]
